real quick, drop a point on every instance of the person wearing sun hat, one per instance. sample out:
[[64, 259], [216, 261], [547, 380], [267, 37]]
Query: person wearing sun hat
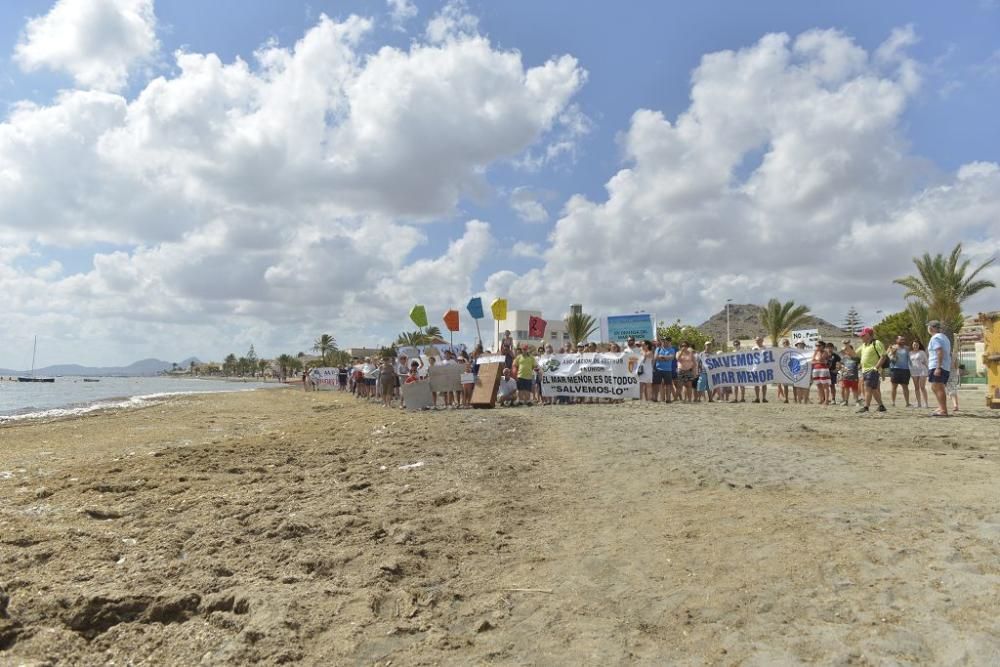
[[873, 358]]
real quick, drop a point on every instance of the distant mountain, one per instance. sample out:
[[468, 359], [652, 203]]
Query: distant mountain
[[142, 368], [744, 323]]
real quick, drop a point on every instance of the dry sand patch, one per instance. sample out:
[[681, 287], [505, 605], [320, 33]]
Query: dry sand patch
[[279, 527]]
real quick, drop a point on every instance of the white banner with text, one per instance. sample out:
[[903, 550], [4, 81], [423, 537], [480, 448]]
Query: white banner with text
[[597, 375], [772, 365]]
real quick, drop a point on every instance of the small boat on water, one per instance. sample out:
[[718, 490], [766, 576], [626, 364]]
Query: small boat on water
[[91, 380], [32, 377]]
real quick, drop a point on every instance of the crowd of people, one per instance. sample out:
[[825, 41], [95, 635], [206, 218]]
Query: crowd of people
[[675, 372]]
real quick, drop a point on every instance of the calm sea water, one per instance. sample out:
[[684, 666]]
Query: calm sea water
[[69, 396]]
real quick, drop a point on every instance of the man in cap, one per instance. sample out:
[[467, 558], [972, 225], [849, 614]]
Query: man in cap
[[939, 366], [873, 358]]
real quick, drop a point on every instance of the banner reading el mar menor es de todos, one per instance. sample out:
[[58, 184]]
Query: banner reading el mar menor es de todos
[[595, 375]]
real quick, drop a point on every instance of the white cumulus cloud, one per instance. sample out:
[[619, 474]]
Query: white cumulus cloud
[[292, 192], [401, 11], [788, 175], [95, 41]]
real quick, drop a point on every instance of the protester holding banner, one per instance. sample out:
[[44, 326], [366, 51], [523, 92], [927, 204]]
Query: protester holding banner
[[801, 394], [663, 369], [783, 388], [686, 372], [645, 371], [702, 389], [759, 391], [739, 390], [468, 383]]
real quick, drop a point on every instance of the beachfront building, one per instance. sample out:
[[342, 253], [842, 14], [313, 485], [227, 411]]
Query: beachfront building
[[362, 352], [517, 324]]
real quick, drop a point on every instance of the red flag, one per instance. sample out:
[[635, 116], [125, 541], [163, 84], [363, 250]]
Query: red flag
[[536, 327]]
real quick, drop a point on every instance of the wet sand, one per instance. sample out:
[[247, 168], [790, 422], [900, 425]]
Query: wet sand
[[278, 526]]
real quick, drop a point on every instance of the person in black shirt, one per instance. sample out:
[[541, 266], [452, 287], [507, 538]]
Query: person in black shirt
[[834, 365]]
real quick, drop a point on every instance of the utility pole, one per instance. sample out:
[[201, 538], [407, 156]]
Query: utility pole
[[729, 336]]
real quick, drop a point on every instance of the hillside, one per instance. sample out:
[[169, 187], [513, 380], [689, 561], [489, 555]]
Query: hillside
[[142, 368], [744, 321]]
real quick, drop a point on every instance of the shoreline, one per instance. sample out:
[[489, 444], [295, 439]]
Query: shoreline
[[109, 405]]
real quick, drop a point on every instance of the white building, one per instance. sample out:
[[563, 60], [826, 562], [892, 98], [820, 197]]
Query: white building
[[517, 324]]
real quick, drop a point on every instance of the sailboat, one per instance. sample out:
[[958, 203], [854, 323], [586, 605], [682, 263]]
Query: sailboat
[[32, 378]]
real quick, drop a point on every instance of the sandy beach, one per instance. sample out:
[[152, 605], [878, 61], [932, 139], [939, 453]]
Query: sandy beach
[[277, 526]]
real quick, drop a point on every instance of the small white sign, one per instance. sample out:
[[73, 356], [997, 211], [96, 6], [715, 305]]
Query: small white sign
[[808, 336]]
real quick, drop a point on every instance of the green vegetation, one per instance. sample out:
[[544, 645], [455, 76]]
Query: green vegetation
[[579, 326], [852, 322], [941, 286], [680, 332]]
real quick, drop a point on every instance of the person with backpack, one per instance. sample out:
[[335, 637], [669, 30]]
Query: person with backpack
[[873, 359]]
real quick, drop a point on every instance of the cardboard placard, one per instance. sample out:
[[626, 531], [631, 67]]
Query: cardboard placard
[[417, 395], [484, 394], [445, 376]]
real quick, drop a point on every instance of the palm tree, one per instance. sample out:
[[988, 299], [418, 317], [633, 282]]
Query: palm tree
[[229, 364], [325, 344], [263, 365], [579, 326], [411, 338], [433, 333], [942, 286], [779, 318], [919, 317], [286, 362]]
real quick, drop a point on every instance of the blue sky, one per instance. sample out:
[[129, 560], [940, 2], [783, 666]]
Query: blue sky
[[113, 249]]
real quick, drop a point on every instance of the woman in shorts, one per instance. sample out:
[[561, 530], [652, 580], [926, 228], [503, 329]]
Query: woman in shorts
[[467, 387], [850, 373], [646, 371], [919, 372], [821, 372]]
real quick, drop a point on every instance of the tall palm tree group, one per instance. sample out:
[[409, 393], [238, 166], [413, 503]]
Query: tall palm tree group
[[940, 287]]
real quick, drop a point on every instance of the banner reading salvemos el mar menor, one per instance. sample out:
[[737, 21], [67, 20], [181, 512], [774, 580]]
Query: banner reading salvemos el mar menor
[[772, 365], [596, 375]]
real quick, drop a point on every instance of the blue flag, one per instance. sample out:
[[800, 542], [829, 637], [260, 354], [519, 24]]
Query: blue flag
[[475, 308]]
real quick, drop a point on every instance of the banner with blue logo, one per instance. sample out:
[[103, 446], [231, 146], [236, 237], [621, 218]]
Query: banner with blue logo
[[771, 365], [591, 375], [619, 328]]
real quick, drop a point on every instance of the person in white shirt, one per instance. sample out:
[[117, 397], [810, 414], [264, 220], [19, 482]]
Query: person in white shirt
[[507, 393], [939, 365], [918, 372]]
